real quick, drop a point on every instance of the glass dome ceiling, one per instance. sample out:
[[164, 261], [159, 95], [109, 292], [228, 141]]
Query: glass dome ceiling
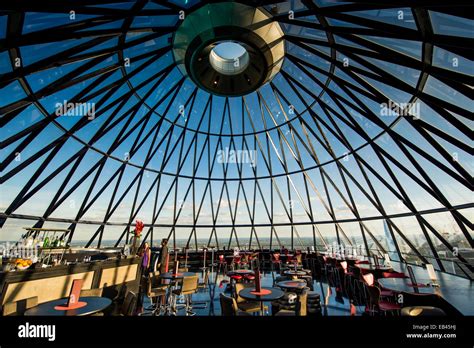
[[362, 138]]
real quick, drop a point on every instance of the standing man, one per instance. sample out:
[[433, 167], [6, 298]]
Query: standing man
[[163, 255]]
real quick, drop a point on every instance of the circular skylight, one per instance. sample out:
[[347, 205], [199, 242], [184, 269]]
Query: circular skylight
[[229, 58]]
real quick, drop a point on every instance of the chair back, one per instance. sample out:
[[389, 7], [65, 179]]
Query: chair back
[[299, 259], [19, 307], [374, 295], [153, 281], [189, 284], [221, 259], [129, 304], [369, 278], [301, 308], [92, 292], [228, 306], [238, 288]]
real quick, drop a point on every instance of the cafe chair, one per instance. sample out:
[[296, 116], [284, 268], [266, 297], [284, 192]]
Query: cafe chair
[[388, 294], [377, 305], [249, 278], [236, 262], [155, 292], [422, 311], [188, 287], [276, 261], [243, 304], [299, 259], [229, 307], [129, 304], [19, 307], [222, 265], [205, 280], [244, 261], [280, 278]]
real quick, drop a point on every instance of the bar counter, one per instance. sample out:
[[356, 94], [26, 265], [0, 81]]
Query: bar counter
[[113, 275]]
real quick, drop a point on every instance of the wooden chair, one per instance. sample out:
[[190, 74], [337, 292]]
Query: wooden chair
[[229, 307], [155, 293], [129, 304], [19, 307], [243, 304], [188, 286]]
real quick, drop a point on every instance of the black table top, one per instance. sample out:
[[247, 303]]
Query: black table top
[[274, 294], [292, 266], [292, 284], [240, 272], [179, 275], [94, 305], [293, 273], [367, 267], [406, 285]]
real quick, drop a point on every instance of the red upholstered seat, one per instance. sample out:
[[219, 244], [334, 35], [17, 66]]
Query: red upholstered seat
[[249, 277], [236, 277]]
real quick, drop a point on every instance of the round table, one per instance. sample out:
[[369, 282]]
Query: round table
[[178, 275], [94, 305], [295, 273], [292, 266], [376, 270], [292, 284], [274, 294], [367, 267], [405, 284], [241, 272]]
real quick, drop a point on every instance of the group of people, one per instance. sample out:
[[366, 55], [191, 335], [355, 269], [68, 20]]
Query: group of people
[[145, 252]]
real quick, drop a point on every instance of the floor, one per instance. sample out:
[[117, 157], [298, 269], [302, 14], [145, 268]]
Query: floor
[[339, 307]]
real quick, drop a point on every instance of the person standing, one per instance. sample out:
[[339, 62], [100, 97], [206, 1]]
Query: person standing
[[163, 256], [146, 254]]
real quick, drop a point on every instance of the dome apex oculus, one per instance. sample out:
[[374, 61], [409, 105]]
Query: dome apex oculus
[[229, 49]]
